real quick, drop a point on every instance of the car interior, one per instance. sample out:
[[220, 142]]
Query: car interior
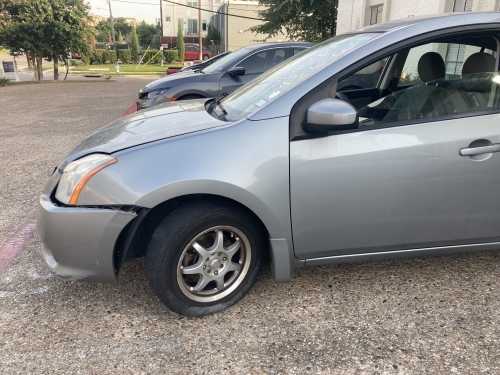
[[444, 78]]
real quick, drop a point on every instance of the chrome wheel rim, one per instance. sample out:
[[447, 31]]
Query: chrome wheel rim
[[214, 264]]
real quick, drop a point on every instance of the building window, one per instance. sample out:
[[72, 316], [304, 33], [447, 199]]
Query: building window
[[167, 19], [462, 5], [376, 14], [192, 3], [192, 26]]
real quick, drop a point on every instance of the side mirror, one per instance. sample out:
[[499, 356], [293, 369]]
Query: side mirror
[[331, 114], [236, 71]]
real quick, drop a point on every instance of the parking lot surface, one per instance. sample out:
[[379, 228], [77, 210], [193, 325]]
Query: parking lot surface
[[434, 315]]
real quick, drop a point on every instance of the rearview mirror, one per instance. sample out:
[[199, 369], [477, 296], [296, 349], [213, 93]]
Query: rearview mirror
[[331, 114], [236, 71]]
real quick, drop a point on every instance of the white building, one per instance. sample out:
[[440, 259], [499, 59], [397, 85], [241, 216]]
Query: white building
[[354, 14], [188, 16], [234, 19]]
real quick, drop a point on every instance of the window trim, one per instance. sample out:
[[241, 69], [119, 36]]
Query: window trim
[[388, 51]]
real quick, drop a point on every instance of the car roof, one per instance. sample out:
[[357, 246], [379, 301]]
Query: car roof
[[436, 22]]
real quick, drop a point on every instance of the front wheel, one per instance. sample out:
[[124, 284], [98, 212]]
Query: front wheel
[[203, 258]]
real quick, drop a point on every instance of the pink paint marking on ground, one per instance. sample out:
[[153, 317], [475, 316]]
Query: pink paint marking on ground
[[132, 108], [15, 245]]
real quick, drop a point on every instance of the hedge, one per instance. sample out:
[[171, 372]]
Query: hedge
[[125, 56], [170, 55]]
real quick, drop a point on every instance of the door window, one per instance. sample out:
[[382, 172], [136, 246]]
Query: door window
[[261, 61], [366, 78], [438, 81]]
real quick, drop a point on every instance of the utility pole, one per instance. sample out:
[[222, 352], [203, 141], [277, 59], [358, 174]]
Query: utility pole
[[113, 39], [200, 39], [161, 21], [112, 24]]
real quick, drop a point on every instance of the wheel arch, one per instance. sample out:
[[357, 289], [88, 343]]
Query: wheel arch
[[134, 239]]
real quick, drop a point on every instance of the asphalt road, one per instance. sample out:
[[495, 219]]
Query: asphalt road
[[433, 315]]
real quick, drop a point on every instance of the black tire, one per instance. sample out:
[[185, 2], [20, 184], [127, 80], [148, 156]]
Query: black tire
[[176, 231]]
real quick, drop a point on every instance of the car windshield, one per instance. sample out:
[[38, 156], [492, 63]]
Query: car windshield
[[289, 74], [227, 61]]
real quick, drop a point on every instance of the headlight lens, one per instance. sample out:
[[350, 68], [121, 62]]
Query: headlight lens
[[76, 175]]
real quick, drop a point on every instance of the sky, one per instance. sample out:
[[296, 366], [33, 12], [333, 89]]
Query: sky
[[147, 10]]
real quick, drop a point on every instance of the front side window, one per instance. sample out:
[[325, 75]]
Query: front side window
[[366, 78], [439, 80]]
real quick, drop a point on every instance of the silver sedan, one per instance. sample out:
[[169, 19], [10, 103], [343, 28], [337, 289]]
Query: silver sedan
[[379, 143]]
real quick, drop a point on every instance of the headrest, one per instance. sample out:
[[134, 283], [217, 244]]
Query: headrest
[[431, 67], [479, 62]]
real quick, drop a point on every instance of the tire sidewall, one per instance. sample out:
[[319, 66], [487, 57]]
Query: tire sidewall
[[171, 237]]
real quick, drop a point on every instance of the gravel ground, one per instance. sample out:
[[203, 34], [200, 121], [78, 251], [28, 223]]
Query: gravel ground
[[433, 315]]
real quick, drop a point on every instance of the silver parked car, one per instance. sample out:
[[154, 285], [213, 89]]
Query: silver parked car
[[379, 143]]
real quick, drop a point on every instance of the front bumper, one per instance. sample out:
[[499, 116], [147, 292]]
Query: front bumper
[[79, 242]]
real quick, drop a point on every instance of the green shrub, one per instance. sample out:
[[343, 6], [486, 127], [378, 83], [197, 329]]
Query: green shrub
[[97, 56], [125, 56], [170, 55], [87, 58], [109, 57], [76, 62], [4, 81], [152, 56]]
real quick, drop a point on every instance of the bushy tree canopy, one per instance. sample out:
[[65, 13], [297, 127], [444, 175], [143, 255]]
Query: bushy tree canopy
[[149, 35], [311, 20], [103, 29], [44, 28]]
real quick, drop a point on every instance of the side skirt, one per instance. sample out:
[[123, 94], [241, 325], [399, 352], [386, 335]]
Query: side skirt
[[427, 251]]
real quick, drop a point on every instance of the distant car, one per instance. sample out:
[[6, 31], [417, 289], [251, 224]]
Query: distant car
[[220, 78], [203, 64], [192, 52], [197, 66]]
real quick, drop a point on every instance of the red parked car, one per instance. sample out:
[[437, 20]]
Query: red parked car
[[192, 52]]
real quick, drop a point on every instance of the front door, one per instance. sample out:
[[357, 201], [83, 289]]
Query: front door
[[396, 188], [422, 170]]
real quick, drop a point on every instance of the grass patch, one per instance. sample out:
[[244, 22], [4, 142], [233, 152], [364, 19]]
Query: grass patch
[[125, 69]]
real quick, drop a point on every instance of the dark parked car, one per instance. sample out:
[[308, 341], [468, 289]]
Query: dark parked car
[[203, 64], [220, 78], [198, 66]]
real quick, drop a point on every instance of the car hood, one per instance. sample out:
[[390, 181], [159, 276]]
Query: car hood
[[164, 121], [172, 79]]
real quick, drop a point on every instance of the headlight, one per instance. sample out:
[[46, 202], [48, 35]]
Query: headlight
[[76, 175], [154, 94]]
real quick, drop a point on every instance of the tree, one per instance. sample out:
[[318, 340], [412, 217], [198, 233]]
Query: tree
[[149, 35], [44, 28], [213, 35], [103, 29], [67, 30], [22, 29], [311, 20], [180, 40], [134, 45]]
